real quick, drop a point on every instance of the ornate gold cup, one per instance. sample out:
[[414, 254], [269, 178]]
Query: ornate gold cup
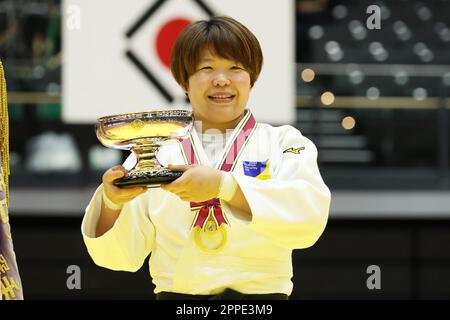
[[143, 133]]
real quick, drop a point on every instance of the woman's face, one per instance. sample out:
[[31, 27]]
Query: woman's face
[[218, 90]]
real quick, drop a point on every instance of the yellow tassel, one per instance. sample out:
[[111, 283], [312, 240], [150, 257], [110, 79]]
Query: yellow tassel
[[4, 131]]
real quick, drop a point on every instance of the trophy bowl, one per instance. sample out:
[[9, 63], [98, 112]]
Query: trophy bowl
[[143, 133]]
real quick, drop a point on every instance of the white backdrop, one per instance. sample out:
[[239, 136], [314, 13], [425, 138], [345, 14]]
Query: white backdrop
[[99, 79]]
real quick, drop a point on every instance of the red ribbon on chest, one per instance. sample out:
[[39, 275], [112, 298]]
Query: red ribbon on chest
[[226, 165]]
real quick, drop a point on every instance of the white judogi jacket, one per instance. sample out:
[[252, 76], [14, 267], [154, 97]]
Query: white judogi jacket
[[278, 174]]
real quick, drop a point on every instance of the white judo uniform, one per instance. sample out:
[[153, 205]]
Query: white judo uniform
[[276, 169]]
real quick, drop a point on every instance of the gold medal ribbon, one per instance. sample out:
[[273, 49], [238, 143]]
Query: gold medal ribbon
[[205, 222], [204, 212]]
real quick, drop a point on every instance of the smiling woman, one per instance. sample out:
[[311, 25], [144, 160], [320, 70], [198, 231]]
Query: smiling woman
[[222, 36], [226, 228], [221, 61], [218, 92]]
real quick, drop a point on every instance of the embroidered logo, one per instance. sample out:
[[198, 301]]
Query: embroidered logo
[[7, 284], [294, 150], [9, 288]]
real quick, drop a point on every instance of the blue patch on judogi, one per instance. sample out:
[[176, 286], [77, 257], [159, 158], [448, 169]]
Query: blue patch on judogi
[[254, 168]]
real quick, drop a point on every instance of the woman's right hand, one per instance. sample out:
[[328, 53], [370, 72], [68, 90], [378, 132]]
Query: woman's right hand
[[117, 195]]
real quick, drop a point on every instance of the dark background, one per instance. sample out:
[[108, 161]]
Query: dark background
[[413, 256]]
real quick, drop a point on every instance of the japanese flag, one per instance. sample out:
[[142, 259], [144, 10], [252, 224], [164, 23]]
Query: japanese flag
[[117, 55]]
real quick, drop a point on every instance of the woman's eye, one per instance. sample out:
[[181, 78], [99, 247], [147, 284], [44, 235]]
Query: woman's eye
[[236, 68], [206, 68]]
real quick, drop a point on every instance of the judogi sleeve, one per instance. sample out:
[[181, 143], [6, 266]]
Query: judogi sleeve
[[292, 207], [126, 245]]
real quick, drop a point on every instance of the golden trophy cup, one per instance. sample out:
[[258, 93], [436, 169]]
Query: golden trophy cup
[[143, 133]]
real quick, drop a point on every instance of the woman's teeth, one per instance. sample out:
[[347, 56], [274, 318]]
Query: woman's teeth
[[221, 98]]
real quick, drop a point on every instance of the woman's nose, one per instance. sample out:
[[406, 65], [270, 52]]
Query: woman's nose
[[221, 80]]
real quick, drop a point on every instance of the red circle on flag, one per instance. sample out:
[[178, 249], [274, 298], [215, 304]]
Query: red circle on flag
[[166, 38]]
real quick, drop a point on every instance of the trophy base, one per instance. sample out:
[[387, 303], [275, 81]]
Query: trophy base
[[148, 179]]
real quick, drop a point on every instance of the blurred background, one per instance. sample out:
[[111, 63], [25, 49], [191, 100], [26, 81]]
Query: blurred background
[[375, 102]]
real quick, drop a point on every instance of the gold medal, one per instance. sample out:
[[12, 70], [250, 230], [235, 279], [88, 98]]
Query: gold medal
[[211, 238]]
